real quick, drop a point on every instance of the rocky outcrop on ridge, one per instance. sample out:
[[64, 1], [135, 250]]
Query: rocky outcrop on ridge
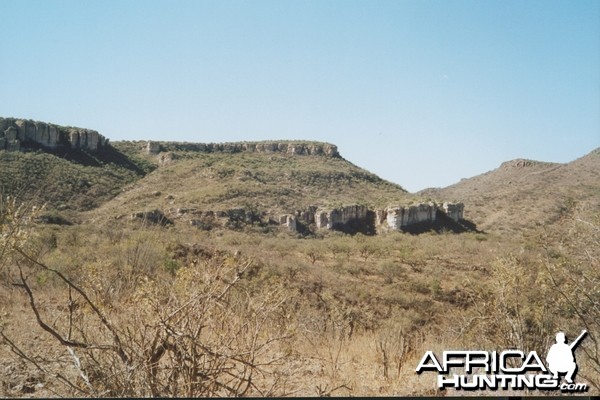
[[525, 163], [349, 219], [17, 134], [296, 148]]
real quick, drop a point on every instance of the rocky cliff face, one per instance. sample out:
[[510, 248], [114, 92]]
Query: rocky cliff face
[[338, 217], [19, 133], [349, 219], [297, 148], [454, 211], [397, 218], [391, 218]]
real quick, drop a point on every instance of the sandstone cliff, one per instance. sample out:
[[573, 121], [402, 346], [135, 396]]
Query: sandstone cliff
[[16, 134], [292, 147], [350, 219]]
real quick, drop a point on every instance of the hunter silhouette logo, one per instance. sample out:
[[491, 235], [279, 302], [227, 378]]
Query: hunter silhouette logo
[[561, 358], [509, 369]]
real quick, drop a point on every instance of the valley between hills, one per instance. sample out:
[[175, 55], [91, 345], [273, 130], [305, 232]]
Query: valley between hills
[[142, 268]]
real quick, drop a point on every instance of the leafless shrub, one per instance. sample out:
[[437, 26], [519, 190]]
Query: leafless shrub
[[573, 272], [395, 347], [201, 334]]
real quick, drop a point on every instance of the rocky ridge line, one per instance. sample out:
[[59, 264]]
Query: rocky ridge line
[[17, 134], [165, 150]]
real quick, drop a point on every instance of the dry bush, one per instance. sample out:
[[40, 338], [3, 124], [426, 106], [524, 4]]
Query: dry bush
[[554, 286], [571, 262], [528, 321], [395, 347], [200, 334]]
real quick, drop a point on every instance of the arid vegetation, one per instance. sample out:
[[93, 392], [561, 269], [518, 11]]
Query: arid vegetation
[[110, 306]]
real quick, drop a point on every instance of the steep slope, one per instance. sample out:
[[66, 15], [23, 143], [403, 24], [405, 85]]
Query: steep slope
[[525, 193], [68, 178]]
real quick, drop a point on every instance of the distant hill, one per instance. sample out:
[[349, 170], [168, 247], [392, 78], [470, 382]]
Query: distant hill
[[525, 193], [270, 179], [267, 183]]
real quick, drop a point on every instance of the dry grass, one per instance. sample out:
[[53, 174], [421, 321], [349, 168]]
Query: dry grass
[[358, 311], [523, 194], [360, 325]]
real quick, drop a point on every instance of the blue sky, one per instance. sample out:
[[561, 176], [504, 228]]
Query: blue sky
[[422, 93]]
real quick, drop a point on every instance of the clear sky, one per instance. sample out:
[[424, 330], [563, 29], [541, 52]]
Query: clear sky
[[422, 93]]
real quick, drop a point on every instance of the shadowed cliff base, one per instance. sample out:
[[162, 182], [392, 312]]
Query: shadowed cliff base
[[354, 226], [351, 220], [103, 156], [442, 223]]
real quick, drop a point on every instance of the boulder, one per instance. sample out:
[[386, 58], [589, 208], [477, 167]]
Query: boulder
[[154, 216]]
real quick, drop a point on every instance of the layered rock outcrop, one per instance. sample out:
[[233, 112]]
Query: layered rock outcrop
[[399, 217], [296, 148], [289, 221], [231, 218], [402, 217], [86, 139], [359, 218], [16, 134], [454, 211], [349, 219], [338, 217]]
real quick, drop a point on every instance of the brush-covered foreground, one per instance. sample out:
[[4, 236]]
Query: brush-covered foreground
[[94, 303], [172, 311]]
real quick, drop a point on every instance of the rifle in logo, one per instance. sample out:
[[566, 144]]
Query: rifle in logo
[[560, 357], [509, 369]]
